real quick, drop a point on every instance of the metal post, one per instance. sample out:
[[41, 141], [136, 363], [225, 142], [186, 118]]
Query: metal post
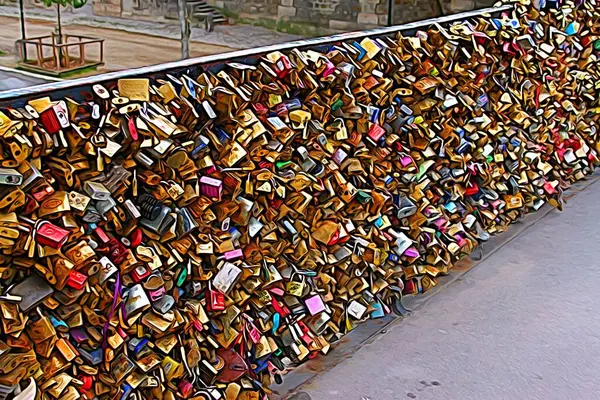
[[59, 35], [59, 23], [185, 29], [23, 34], [441, 7], [390, 13]]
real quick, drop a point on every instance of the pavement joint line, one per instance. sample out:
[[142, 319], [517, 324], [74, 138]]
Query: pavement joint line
[[30, 74], [422, 300]]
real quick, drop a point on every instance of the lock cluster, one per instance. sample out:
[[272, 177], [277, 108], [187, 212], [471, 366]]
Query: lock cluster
[[195, 235]]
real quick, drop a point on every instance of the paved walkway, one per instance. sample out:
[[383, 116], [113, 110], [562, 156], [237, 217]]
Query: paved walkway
[[121, 49], [230, 36], [16, 80], [524, 324]]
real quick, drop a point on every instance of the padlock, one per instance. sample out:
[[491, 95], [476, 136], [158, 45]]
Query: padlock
[[10, 177], [296, 288], [155, 216], [195, 211], [76, 280], [211, 187], [55, 117], [215, 300], [48, 234], [227, 277]]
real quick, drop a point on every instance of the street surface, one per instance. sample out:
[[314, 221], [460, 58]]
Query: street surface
[[14, 80], [524, 324], [122, 50]]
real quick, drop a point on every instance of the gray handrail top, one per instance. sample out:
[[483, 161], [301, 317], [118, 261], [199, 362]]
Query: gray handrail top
[[47, 88]]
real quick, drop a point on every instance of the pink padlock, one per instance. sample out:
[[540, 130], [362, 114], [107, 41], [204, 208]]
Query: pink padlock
[[315, 304], [211, 187], [406, 161], [157, 294], [233, 255], [329, 69]]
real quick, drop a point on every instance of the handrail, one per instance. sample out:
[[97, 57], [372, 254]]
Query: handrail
[[16, 95], [88, 41], [68, 35]]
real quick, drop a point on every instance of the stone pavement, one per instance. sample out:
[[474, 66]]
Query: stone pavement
[[523, 324], [231, 36]]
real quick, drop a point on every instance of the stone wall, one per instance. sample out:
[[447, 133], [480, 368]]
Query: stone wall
[[330, 14], [108, 8], [258, 8], [145, 9], [346, 14]]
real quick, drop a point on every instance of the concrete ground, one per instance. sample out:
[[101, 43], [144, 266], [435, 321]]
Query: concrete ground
[[16, 80], [523, 324], [121, 49]]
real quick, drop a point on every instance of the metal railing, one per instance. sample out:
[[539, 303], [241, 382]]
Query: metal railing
[[54, 56], [74, 88]]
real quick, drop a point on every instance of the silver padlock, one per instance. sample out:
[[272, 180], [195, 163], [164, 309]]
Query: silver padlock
[[10, 177]]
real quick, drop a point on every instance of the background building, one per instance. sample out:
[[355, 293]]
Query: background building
[[325, 14]]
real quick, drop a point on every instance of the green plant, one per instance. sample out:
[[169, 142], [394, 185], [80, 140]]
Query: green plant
[[228, 13], [77, 73], [64, 3]]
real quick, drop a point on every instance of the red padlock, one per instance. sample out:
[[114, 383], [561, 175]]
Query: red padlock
[[55, 118], [49, 121], [87, 380], [104, 238], [283, 66], [118, 251], [48, 234], [136, 237], [215, 300], [472, 189], [132, 129], [41, 190], [76, 280], [376, 132], [260, 109], [185, 388], [140, 273]]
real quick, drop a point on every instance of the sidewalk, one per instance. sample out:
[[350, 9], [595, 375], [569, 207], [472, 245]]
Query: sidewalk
[[13, 80], [231, 36], [523, 324]]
